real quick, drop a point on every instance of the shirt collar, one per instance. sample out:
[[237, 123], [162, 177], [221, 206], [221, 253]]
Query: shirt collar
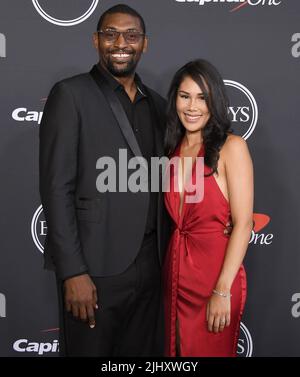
[[114, 84]]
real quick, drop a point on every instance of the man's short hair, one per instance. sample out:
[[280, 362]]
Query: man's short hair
[[124, 9]]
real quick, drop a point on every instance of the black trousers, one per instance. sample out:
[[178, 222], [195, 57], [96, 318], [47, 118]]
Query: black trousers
[[129, 321]]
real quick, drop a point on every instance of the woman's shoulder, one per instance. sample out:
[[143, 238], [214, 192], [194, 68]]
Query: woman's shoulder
[[234, 144], [234, 149]]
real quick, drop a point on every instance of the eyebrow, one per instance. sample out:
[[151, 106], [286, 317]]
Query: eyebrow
[[183, 91], [115, 29]]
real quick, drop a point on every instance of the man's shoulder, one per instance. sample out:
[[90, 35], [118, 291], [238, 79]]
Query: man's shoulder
[[75, 82], [159, 100]]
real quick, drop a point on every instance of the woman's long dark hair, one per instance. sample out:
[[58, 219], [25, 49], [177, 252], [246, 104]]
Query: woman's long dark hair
[[218, 126]]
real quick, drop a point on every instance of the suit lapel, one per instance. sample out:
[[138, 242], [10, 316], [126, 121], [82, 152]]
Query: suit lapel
[[118, 112], [126, 129]]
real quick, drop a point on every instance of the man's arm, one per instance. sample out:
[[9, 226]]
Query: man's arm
[[59, 132], [59, 135]]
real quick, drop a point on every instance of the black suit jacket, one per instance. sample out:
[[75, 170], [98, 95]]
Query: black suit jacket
[[89, 231]]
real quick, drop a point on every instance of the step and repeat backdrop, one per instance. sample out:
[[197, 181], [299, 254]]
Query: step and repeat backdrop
[[256, 46]]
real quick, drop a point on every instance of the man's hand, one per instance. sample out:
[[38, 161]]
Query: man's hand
[[81, 298], [228, 229]]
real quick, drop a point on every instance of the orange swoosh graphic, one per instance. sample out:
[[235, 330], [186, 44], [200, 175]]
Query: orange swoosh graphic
[[260, 221], [50, 330], [239, 6]]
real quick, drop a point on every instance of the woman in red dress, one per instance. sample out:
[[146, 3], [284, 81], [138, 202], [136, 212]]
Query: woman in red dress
[[204, 279]]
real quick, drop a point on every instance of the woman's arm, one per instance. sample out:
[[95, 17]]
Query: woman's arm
[[239, 176], [239, 173]]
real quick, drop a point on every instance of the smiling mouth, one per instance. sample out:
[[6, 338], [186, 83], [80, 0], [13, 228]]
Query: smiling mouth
[[192, 118], [121, 57]]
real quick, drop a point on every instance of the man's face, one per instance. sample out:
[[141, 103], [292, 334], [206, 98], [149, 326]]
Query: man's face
[[118, 55]]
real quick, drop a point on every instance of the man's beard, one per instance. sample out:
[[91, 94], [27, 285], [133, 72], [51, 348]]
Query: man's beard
[[126, 71]]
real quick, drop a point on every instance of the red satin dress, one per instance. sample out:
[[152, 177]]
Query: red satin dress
[[191, 269]]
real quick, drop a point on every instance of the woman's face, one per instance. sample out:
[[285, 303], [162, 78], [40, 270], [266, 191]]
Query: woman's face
[[191, 106]]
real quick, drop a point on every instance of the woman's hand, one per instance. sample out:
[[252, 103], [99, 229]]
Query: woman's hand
[[218, 313]]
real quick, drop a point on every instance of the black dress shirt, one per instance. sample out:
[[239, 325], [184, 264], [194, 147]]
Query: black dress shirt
[[139, 115]]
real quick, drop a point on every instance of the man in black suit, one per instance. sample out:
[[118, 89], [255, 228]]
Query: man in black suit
[[105, 247]]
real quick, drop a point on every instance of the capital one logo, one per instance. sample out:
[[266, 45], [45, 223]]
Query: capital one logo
[[2, 46], [245, 343], [2, 306], [257, 236], [39, 348], [296, 45], [71, 22], [39, 229], [243, 110], [240, 3], [22, 114], [296, 307]]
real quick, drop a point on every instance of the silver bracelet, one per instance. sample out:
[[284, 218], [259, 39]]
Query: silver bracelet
[[222, 294]]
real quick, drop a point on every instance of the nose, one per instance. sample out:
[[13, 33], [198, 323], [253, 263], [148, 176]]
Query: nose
[[120, 41], [193, 104]]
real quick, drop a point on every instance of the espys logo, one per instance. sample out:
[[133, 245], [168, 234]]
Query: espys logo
[[296, 307], [2, 306], [296, 46], [241, 3], [85, 13], [39, 228], [245, 343], [2, 46], [22, 114], [257, 237], [244, 112]]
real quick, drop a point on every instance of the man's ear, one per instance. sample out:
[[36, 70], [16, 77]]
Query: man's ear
[[96, 40], [145, 48]]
